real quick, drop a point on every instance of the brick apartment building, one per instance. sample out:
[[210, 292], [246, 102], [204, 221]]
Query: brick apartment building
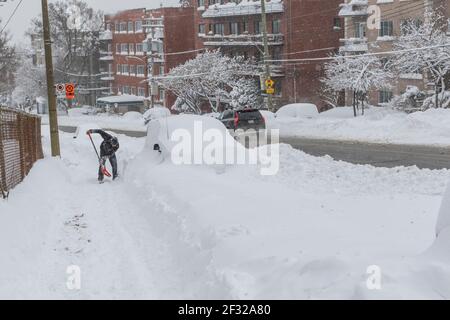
[[123, 60], [361, 39], [170, 42], [140, 44], [297, 29]]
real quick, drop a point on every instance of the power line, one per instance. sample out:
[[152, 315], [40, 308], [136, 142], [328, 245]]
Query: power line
[[11, 16], [362, 55]]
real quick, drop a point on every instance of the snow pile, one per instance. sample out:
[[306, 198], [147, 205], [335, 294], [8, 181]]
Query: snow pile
[[173, 231], [298, 110], [381, 125], [444, 213], [133, 116]]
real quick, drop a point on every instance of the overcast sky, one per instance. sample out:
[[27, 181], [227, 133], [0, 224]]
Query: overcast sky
[[31, 8]]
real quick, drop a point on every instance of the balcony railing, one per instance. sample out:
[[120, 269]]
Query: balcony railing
[[354, 45], [354, 8], [242, 40], [107, 58], [243, 8]]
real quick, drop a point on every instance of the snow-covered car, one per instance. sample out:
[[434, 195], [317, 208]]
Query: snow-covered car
[[298, 111], [243, 119], [156, 113]]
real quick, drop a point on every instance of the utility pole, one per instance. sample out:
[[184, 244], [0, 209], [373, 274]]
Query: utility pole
[[53, 115], [266, 50]]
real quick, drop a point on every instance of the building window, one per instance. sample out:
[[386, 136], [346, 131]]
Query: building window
[[276, 26], [123, 27], [384, 96], [124, 48], [161, 70], [130, 27], [201, 29], [108, 26], [387, 29], [139, 48], [337, 23], [131, 48], [201, 3], [360, 30], [258, 27], [125, 69], [245, 27], [141, 70], [141, 92], [161, 95], [138, 26], [118, 48], [133, 91], [132, 70], [234, 28], [116, 27], [119, 69], [219, 28]]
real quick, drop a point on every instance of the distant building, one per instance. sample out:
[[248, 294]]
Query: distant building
[[297, 29], [360, 39], [139, 45]]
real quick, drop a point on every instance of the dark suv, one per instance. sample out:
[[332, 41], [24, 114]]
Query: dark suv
[[243, 119]]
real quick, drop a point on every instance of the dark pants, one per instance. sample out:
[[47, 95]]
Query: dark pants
[[113, 161]]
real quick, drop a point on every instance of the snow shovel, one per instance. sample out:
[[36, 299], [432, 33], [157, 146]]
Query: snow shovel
[[102, 167]]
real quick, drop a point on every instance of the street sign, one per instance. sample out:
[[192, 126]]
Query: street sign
[[70, 91], [60, 90], [269, 83], [270, 91]]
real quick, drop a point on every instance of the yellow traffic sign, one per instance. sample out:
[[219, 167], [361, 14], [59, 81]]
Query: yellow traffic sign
[[269, 83], [270, 90]]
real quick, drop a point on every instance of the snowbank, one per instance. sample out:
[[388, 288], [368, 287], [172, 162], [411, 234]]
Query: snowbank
[[298, 110], [444, 213], [133, 116], [379, 124]]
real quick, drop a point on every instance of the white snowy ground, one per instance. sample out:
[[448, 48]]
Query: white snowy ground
[[381, 125], [166, 231]]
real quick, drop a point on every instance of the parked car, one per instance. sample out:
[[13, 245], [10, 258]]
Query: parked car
[[243, 119]]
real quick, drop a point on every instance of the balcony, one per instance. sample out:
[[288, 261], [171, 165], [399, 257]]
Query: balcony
[[354, 45], [241, 40], [106, 76], [106, 35], [355, 8], [244, 8], [107, 58]]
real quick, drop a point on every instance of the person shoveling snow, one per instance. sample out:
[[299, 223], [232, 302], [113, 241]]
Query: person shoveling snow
[[108, 149]]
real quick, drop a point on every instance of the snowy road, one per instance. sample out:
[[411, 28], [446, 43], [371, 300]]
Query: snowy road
[[375, 154]]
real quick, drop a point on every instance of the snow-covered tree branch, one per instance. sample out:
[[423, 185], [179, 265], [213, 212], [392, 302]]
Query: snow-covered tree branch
[[213, 78], [434, 61], [358, 74]]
